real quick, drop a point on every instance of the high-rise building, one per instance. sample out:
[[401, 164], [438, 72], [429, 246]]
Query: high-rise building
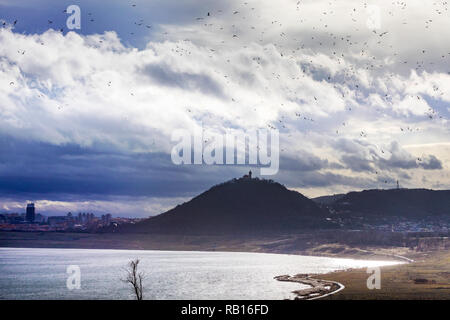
[[30, 212], [106, 219]]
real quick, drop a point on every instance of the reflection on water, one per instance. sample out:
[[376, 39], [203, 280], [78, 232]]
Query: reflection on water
[[41, 273]]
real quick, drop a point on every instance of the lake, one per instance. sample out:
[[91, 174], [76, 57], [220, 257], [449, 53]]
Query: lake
[[41, 273]]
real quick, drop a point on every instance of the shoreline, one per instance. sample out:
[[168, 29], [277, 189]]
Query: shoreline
[[321, 288], [399, 259], [425, 278], [318, 288], [257, 244]]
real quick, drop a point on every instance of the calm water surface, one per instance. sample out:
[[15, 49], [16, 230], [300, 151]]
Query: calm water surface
[[41, 273]]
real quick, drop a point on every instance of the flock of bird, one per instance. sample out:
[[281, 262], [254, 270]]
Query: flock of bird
[[347, 50]]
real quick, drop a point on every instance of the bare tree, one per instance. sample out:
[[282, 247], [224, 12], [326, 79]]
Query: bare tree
[[135, 278]]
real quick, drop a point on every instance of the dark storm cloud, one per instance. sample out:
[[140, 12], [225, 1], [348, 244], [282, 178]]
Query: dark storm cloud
[[324, 179], [352, 146], [34, 170], [304, 161], [164, 75], [431, 163], [395, 162], [39, 168], [356, 163], [400, 159], [359, 156], [70, 172]]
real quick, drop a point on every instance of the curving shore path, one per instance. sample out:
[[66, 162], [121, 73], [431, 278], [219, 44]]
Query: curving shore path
[[319, 288]]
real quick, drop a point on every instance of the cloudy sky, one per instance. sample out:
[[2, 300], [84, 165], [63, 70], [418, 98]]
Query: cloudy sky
[[359, 91]]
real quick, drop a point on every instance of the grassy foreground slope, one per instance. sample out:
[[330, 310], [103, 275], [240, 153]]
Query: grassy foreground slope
[[426, 279]]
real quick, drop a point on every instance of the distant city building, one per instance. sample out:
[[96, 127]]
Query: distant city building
[[69, 222], [30, 216], [39, 218], [56, 221], [106, 219]]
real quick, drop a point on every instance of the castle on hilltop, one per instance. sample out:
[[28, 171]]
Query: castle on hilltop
[[247, 176]]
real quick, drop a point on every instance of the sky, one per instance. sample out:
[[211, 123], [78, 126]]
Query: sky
[[359, 92]]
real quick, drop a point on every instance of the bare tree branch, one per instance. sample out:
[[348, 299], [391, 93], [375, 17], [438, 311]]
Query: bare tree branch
[[135, 278]]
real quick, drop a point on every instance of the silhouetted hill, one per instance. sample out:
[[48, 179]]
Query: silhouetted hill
[[412, 203], [240, 206], [326, 200]]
